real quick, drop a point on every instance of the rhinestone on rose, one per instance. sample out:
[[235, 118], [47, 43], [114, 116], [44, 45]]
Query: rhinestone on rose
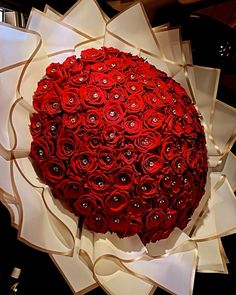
[[40, 152], [104, 81], [154, 120], [71, 99], [131, 124], [133, 87], [100, 184], [55, 168], [116, 96], [92, 118], [151, 163], [53, 128], [136, 205], [123, 179], [128, 153], [73, 120], [95, 95], [117, 220], [85, 161], [115, 199], [112, 113], [112, 135], [85, 205]]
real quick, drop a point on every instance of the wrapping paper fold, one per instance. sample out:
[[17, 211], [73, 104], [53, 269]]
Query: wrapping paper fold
[[86, 259]]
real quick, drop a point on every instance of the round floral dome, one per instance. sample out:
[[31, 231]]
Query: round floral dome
[[120, 144]]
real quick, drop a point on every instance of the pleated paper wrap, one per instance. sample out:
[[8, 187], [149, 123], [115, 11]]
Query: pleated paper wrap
[[88, 259]]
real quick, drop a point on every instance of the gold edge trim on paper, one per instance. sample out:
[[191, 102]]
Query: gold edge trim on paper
[[104, 16], [42, 189], [59, 22], [83, 291], [218, 184], [48, 7], [144, 277]]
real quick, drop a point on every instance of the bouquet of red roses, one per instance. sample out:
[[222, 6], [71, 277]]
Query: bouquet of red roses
[[120, 144]]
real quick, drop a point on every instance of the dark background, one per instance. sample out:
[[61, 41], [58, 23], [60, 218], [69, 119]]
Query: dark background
[[213, 28]]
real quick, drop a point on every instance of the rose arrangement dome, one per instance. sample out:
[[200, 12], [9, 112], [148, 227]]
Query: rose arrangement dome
[[114, 157]]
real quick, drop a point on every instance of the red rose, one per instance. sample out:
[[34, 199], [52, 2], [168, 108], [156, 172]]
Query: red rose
[[132, 76], [147, 187], [134, 87], [56, 72], [115, 63], [85, 205], [151, 164], [182, 201], [94, 141], [147, 141], [137, 207], [128, 154], [116, 202], [78, 79], [154, 119], [168, 149], [179, 165], [36, 124], [82, 162], [162, 202], [113, 112], [171, 218], [176, 184], [124, 179], [106, 158], [132, 125], [92, 119], [92, 95], [73, 65], [96, 222], [111, 134], [41, 149], [68, 189], [154, 219], [119, 77], [175, 126], [52, 105], [119, 224], [135, 226], [53, 171], [52, 128], [135, 104], [70, 101], [101, 80], [98, 181], [71, 120], [98, 67], [111, 51], [153, 100], [93, 55], [44, 90], [119, 94], [66, 144]]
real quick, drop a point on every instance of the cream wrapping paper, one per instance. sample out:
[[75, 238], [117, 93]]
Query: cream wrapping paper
[[87, 259]]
